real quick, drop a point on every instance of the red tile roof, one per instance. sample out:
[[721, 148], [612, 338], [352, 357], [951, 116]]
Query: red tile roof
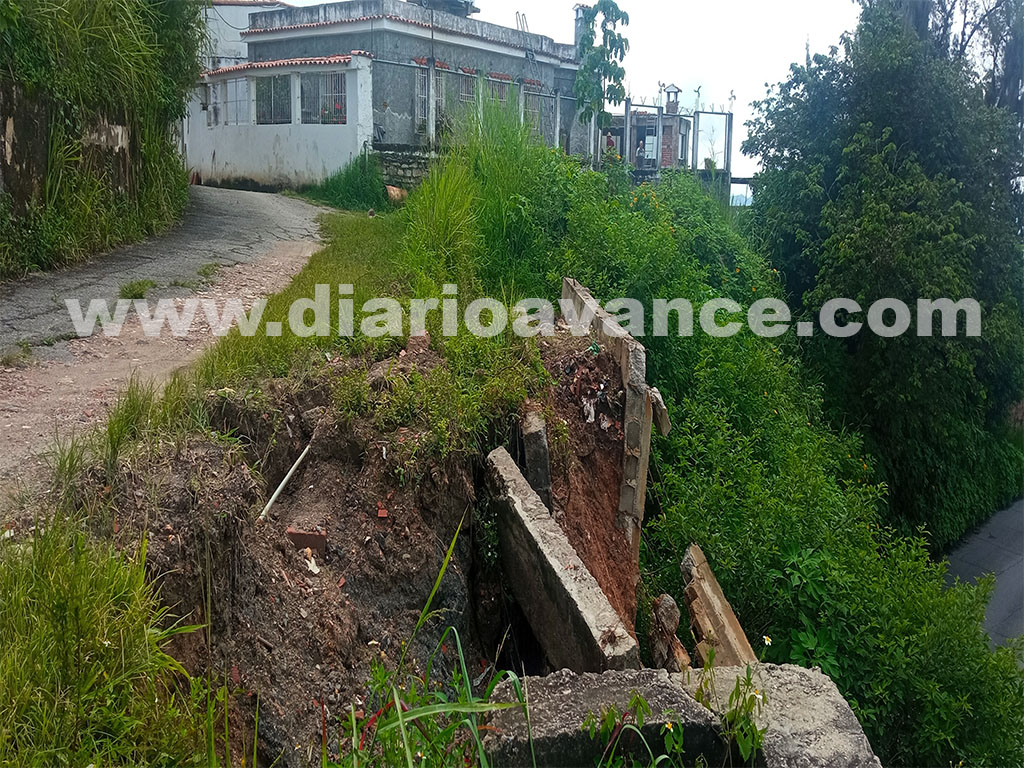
[[308, 62]]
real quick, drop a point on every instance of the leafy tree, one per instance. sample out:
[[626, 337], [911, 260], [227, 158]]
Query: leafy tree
[[599, 79], [886, 174]]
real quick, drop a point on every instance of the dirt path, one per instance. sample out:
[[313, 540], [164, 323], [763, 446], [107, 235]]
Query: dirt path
[[258, 242]]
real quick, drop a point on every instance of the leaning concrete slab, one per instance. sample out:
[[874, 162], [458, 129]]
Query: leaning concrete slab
[[639, 411], [712, 618], [536, 455], [560, 703], [808, 722], [570, 615]]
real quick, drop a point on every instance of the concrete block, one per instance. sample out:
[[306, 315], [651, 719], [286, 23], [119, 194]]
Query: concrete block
[[712, 618], [570, 615], [809, 724], [560, 703], [538, 460]]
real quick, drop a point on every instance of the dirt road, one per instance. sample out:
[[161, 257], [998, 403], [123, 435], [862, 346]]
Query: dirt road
[[53, 382]]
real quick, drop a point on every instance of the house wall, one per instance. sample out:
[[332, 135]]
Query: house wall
[[224, 25], [282, 156], [456, 41], [394, 87]]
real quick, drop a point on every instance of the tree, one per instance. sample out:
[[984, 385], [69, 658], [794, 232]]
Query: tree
[[600, 75], [886, 174]]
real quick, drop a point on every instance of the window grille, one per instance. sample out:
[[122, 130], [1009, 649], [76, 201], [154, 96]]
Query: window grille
[[499, 91], [274, 100], [421, 100], [532, 109], [439, 95], [467, 88], [235, 93], [323, 99]]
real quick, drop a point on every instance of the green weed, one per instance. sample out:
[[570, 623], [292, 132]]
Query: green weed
[[136, 289]]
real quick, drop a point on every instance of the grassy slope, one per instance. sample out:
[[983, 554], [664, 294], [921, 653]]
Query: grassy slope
[[781, 503]]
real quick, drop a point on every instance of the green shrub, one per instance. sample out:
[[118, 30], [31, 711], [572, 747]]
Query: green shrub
[[358, 186], [84, 678], [888, 175]]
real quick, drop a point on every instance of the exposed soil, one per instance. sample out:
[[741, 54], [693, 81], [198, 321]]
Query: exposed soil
[[586, 465], [300, 627], [71, 385]]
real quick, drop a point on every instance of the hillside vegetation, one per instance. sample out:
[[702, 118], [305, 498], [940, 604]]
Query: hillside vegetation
[[77, 63]]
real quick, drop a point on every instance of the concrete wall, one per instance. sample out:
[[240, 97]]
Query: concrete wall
[[570, 615], [24, 145], [442, 24], [396, 54], [454, 42], [224, 25], [279, 156]]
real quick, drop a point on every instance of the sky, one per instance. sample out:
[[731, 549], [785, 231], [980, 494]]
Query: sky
[[721, 46]]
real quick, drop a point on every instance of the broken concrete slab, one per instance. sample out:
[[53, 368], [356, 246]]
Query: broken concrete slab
[[808, 722], [639, 413], [560, 703], [712, 618], [569, 614], [661, 418], [536, 455]]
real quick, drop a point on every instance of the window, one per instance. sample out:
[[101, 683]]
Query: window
[[210, 95], [421, 100], [323, 99], [439, 95], [532, 109], [235, 93], [274, 100], [467, 88], [499, 91]]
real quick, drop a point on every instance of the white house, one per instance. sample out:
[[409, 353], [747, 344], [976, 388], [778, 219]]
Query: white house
[[284, 123]]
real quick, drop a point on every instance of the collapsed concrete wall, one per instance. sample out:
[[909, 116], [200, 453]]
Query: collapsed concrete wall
[[641, 403], [570, 615]]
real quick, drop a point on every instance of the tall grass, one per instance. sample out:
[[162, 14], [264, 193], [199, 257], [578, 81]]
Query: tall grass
[[359, 186], [129, 62], [84, 676]]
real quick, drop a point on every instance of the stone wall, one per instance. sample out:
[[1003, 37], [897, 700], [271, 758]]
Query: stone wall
[[403, 168]]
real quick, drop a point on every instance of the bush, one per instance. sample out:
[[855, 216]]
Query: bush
[[887, 175], [358, 186], [785, 506]]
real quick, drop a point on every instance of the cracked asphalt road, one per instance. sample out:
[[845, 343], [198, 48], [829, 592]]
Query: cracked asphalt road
[[221, 226], [67, 384]]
